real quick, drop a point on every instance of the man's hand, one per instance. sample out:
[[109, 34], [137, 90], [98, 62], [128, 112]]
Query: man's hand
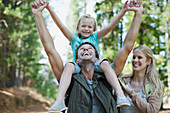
[[38, 6]]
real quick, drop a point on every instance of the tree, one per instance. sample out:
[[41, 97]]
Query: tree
[[105, 11], [152, 31], [20, 46]]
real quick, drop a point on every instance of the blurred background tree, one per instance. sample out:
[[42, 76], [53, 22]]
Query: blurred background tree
[[20, 47], [153, 31], [19, 43]]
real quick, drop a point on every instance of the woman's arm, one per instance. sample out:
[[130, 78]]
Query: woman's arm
[[129, 41], [152, 105]]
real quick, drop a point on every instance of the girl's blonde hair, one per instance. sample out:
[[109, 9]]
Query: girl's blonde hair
[[85, 16], [151, 72]]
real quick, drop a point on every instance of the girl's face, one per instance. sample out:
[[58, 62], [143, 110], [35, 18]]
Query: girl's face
[[86, 27], [139, 60]]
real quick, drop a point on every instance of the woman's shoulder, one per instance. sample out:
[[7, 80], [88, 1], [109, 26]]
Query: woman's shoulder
[[126, 77]]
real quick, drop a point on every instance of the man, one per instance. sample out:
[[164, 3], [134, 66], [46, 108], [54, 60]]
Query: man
[[86, 62], [89, 93]]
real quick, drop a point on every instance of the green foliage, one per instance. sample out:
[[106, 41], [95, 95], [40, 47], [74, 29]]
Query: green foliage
[[105, 11], [77, 7], [20, 48], [152, 30], [46, 83]]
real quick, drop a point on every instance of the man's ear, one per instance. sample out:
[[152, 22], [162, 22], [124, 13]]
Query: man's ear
[[76, 61], [97, 59]]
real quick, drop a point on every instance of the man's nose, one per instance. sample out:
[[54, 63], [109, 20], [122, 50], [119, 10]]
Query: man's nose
[[85, 49]]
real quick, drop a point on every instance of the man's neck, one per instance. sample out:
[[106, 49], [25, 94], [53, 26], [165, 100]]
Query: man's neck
[[88, 70]]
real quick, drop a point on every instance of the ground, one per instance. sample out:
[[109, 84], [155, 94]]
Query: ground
[[166, 108], [22, 100], [28, 100]]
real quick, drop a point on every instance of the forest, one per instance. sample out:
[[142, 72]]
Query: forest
[[20, 45]]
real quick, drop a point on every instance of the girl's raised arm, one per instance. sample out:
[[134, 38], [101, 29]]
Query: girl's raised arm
[[67, 33]]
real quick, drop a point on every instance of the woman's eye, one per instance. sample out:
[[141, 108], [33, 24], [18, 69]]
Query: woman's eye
[[140, 57], [90, 26]]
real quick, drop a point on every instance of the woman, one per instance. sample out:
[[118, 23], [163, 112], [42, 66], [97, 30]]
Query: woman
[[143, 88]]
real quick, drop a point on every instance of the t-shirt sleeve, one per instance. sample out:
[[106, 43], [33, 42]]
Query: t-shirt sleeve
[[74, 39], [96, 37]]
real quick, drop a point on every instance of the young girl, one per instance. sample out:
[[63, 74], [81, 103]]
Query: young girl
[[144, 88], [86, 32]]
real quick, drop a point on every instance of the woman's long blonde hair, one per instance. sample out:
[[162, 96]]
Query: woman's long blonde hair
[[85, 16], [151, 72]]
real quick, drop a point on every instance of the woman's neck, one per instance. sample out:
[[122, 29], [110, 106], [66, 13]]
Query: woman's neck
[[138, 77], [137, 81]]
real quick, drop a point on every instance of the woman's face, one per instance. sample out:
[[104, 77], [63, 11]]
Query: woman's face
[[86, 27], [139, 60]]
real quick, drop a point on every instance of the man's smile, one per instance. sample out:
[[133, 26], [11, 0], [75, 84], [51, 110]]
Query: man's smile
[[86, 54]]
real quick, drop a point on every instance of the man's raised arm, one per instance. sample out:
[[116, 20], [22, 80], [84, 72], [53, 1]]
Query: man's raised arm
[[46, 39]]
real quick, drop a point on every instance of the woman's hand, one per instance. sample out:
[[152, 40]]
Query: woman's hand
[[125, 88], [38, 6], [133, 5]]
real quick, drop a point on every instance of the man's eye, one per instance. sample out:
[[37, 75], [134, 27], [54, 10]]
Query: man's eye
[[89, 47]]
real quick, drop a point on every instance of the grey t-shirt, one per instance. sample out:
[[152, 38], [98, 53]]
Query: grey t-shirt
[[97, 105], [133, 108]]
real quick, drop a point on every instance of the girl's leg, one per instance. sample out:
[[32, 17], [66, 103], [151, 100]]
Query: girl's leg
[[111, 77], [65, 81], [113, 81]]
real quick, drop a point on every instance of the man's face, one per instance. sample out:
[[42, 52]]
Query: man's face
[[86, 52]]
